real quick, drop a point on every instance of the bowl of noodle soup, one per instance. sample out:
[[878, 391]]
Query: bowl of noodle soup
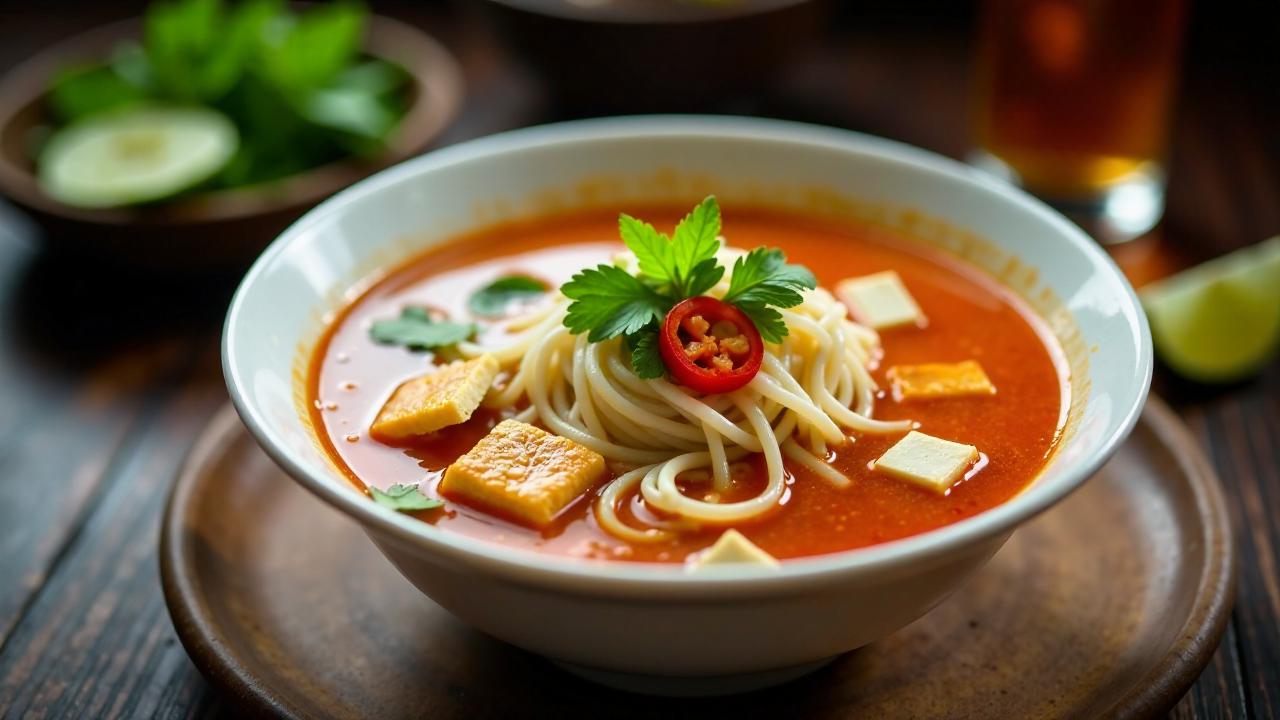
[[615, 580]]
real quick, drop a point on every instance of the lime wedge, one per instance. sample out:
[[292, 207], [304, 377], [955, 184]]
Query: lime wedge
[[1219, 321], [135, 156]]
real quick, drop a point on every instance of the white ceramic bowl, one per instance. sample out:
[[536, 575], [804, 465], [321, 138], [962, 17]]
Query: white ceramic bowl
[[653, 627]]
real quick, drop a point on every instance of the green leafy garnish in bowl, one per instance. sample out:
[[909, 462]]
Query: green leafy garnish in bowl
[[609, 301], [497, 298], [417, 330], [294, 85], [404, 498]]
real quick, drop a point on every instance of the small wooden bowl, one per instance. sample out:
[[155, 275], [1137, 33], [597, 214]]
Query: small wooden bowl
[[225, 228]]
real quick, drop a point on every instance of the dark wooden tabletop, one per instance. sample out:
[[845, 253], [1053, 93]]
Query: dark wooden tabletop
[[106, 377]]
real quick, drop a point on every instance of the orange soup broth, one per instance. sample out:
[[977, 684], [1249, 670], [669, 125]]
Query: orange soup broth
[[970, 316]]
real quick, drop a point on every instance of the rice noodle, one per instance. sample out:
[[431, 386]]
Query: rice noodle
[[813, 389]]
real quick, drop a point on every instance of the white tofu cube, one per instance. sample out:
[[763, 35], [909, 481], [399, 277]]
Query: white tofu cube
[[880, 300], [927, 461], [734, 547]]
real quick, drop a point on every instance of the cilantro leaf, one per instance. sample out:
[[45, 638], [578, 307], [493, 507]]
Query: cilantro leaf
[[610, 301], [416, 330], [493, 299], [685, 263], [696, 240], [651, 248], [76, 93], [646, 359], [768, 322], [403, 497], [703, 277], [763, 277], [308, 51]]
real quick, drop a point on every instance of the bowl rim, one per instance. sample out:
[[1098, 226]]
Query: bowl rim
[[616, 578], [436, 78]]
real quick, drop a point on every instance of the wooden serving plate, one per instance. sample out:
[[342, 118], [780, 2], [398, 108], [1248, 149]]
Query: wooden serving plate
[[1109, 605]]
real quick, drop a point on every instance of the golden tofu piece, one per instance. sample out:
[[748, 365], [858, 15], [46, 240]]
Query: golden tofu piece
[[938, 380], [927, 461], [524, 472], [445, 397]]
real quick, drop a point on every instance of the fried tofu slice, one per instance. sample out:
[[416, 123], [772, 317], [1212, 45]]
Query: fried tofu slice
[[445, 397], [939, 380], [734, 547], [927, 461], [524, 472], [880, 300]]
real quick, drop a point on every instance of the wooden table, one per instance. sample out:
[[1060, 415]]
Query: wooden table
[[106, 377]]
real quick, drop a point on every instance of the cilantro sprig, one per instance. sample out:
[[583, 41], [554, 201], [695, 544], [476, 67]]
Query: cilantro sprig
[[609, 302], [762, 278], [403, 498], [494, 299], [416, 330]]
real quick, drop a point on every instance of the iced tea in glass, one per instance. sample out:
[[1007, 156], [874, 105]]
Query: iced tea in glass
[[1072, 102]]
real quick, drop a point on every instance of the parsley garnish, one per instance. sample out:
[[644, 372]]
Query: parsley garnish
[[416, 330], [609, 302], [763, 278], [493, 299], [403, 498], [646, 359]]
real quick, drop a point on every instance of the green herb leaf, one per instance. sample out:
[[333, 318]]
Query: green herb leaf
[[416, 330], [197, 51], [403, 497], [493, 299], [768, 322], [81, 92], [609, 301], [651, 248], [646, 359], [763, 277], [695, 241], [309, 51], [686, 263], [703, 277]]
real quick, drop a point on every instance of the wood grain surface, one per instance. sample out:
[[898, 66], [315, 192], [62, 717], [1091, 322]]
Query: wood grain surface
[[1109, 605], [107, 377]]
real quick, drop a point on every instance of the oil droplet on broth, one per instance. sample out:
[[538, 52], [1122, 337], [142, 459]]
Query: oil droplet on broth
[[353, 438]]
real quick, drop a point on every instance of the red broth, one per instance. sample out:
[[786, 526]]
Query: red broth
[[970, 316]]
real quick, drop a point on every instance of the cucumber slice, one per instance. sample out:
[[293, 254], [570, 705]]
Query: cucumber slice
[[1220, 321], [136, 156]]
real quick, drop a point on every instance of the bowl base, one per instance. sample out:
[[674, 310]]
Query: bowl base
[[692, 686]]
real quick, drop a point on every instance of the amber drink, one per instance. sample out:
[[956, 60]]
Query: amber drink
[[1072, 102]]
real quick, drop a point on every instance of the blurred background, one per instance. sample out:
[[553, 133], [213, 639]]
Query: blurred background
[[1153, 123]]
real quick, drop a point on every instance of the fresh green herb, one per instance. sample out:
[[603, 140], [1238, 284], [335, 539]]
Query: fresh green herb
[[762, 279], [646, 359], [684, 265], [416, 330], [494, 299], [294, 83], [403, 498], [608, 301]]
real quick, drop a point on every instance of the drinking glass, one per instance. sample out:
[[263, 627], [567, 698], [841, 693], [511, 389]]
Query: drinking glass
[[1072, 103]]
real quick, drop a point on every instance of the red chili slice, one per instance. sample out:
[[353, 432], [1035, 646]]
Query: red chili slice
[[710, 346]]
